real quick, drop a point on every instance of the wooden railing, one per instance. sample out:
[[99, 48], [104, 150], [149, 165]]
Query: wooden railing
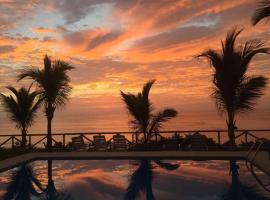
[[219, 136]]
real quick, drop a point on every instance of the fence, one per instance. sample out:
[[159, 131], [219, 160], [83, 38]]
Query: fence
[[219, 136]]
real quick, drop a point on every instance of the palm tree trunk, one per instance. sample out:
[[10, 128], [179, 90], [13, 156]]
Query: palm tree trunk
[[231, 128], [49, 115], [50, 187], [145, 137], [24, 132], [49, 132]]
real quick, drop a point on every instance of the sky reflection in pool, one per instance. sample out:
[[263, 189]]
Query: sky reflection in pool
[[109, 179]]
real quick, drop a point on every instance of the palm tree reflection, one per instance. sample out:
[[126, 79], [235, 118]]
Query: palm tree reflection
[[142, 177], [51, 193], [239, 190], [23, 184]]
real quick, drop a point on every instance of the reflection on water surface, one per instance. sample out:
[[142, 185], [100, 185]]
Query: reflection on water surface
[[145, 179]]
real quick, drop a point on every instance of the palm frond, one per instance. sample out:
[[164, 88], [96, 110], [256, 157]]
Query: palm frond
[[52, 82], [213, 56], [31, 73], [262, 12], [249, 91], [250, 49], [133, 107], [22, 107], [229, 76], [161, 117]]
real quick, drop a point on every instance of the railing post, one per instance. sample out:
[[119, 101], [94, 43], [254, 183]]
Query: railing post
[[29, 143], [219, 138], [64, 140], [246, 137], [12, 141]]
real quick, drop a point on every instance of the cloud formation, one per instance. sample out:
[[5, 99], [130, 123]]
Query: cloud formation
[[119, 45]]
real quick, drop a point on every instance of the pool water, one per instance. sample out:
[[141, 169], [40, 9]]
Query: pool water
[[121, 179]]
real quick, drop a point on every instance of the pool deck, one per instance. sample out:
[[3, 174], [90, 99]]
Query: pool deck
[[261, 161]]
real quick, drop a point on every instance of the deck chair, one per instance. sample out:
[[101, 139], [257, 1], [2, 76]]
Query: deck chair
[[78, 144], [100, 143], [198, 142], [119, 143]]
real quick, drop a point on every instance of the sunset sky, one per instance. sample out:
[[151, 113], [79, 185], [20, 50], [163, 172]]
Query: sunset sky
[[119, 45]]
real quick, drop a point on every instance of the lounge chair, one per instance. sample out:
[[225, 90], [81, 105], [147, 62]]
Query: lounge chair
[[100, 143], [78, 144], [198, 142], [119, 143]]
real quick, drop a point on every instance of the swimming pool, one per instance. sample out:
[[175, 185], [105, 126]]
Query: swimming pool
[[123, 179]]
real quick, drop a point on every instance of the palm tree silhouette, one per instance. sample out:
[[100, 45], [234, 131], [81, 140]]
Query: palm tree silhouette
[[144, 121], [239, 190], [23, 184], [142, 177], [53, 85], [262, 12], [234, 90], [22, 108], [140, 108]]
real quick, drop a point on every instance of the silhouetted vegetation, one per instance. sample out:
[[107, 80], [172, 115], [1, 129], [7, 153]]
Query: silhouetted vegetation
[[262, 12], [22, 184], [140, 108], [234, 90], [142, 178], [21, 107], [53, 86]]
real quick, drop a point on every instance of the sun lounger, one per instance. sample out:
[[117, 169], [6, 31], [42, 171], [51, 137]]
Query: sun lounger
[[100, 143], [78, 144], [119, 143]]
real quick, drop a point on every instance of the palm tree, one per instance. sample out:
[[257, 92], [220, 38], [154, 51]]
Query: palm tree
[[23, 184], [140, 108], [53, 85], [262, 12], [144, 121], [234, 90], [22, 107], [142, 177]]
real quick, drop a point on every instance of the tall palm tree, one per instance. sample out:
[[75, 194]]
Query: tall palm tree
[[140, 108], [23, 184], [262, 12], [53, 85], [22, 107], [234, 90]]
